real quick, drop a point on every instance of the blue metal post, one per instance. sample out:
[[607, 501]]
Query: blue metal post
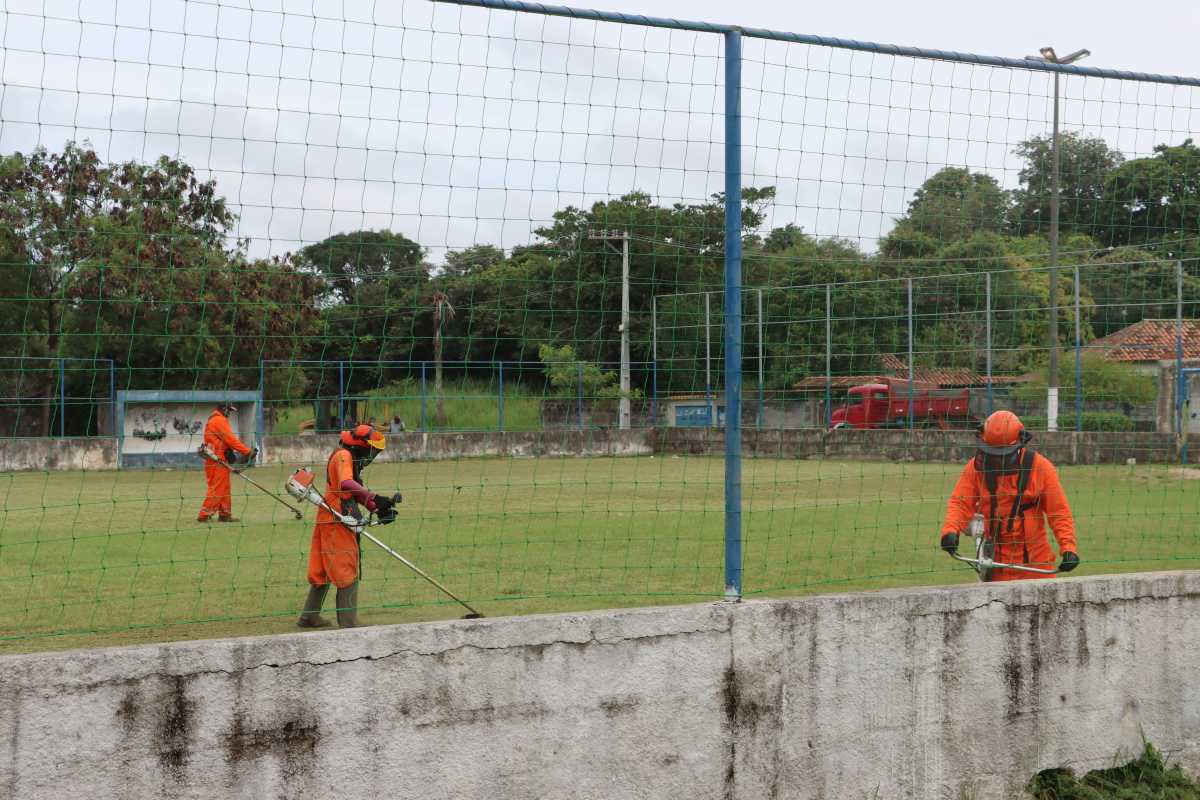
[[733, 315], [761, 365], [1180, 378], [987, 317], [579, 396], [341, 394], [501, 396], [62, 398], [910, 355], [423, 393], [653, 360], [653, 393], [112, 393], [828, 356], [1078, 360]]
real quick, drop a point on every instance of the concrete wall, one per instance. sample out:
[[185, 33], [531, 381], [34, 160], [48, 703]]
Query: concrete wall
[[897, 445], [84, 453], [420, 446], [919, 445], [911, 694]]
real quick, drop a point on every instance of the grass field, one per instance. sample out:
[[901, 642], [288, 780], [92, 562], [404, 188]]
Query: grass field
[[114, 557]]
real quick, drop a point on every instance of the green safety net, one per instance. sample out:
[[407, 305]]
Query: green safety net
[[499, 238]]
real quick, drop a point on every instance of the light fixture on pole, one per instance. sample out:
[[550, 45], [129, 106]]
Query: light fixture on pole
[[1049, 56]]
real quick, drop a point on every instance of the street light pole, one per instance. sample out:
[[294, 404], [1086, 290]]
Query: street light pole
[[623, 413], [1048, 55]]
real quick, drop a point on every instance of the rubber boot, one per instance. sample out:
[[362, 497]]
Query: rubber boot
[[347, 606], [311, 617]]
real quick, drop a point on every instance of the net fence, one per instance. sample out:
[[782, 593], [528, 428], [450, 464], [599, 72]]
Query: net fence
[[501, 238]]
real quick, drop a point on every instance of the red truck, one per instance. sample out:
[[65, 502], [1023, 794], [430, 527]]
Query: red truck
[[886, 405]]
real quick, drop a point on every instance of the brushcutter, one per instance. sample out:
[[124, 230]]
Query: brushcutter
[[300, 486], [985, 548], [206, 453]]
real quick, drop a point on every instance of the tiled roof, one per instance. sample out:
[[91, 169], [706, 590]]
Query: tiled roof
[[945, 377], [1149, 340], [952, 378]]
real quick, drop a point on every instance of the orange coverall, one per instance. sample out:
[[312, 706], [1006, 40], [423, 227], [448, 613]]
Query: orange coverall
[[333, 556], [219, 438], [1028, 543]]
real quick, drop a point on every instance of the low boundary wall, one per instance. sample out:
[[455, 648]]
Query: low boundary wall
[[917, 693], [1061, 447], [897, 445]]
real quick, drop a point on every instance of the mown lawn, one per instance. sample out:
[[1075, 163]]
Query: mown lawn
[[97, 558]]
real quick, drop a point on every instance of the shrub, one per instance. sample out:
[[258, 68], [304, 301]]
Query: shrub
[[1092, 421]]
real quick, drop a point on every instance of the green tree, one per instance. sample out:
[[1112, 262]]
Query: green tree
[[67, 213], [1085, 164], [1103, 381], [362, 267], [1130, 284], [471, 261], [953, 204], [1150, 199], [565, 373]]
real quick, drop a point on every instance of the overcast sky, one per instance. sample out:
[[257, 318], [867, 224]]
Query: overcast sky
[[460, 126]]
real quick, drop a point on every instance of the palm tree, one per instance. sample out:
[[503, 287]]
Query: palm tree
[[441, 311]]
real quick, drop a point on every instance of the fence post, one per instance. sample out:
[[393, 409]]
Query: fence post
[[712, 421], [502, 397], [112, 394], [987, 317], [910, 354], [260, 417], [1079, 362], [761, 376], [828, 356], [1180, 384], [62, 398], [579, 395], [423, 393], [733, 315], [653, 393], [341, 420]]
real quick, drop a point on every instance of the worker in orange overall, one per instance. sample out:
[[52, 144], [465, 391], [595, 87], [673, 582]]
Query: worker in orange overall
[[334, 554], [223, 443], [1012, 487]]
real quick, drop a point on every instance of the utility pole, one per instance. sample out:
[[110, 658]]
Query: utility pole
[[608, 237], [1048, 55]]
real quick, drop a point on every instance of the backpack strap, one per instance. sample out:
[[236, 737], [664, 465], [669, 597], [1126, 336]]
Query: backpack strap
[[1023, 472]]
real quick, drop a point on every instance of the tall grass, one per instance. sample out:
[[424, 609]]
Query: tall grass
[[471, 404]]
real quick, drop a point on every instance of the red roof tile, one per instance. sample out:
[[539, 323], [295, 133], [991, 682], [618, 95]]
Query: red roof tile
[[1149, 340]]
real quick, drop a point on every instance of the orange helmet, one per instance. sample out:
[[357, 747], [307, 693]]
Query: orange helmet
[[1002, 434], [363, 436]]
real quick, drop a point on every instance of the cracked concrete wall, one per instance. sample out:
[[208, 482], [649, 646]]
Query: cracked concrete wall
[[918, 694]]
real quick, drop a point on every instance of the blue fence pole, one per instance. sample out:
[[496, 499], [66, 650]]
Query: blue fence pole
[[653, 393], [910, 354], [828, 356], [423, 394], [733, 315], [501, 396], [62, 398], [262, 410], [987, 316], [112, 394], [1078, 360], [341, 394], [1180, 377], [579, 397]]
